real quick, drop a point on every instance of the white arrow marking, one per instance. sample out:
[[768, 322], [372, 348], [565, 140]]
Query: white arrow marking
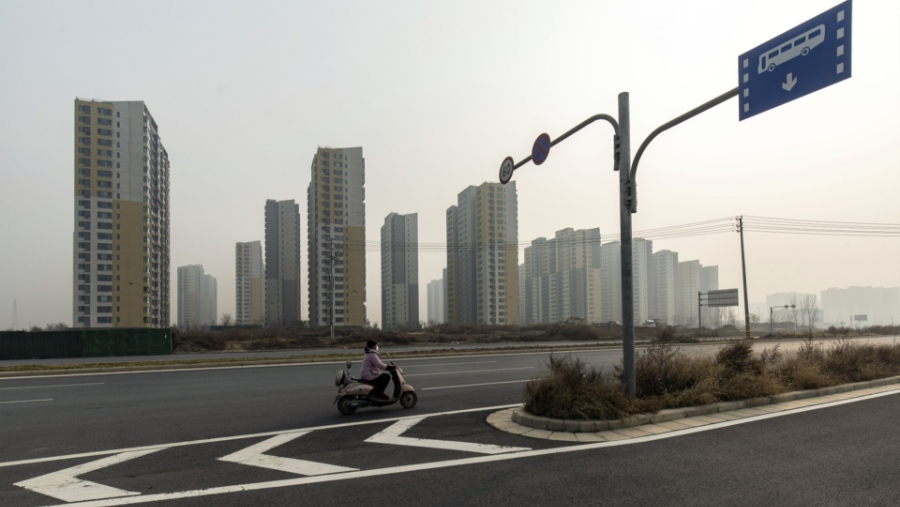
[[790, 82], [391, 436], [66, 486], [254, 456]]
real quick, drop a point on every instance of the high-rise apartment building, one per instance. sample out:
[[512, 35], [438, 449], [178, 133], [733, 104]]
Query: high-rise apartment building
[[878, 306], [663, 286], [197, 298], [121, 240], [689, 284], [561, 278], [436, 302], [709, 280], [282, 263], [611, 274], [249, 284], [482, 256], [400, 271], [336, 232]]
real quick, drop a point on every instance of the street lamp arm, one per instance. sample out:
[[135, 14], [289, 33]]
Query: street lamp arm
[[612, 121], [686, 116]]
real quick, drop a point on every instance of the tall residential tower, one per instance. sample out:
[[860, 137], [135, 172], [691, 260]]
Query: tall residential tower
[[121, 240], [249, 284], [282, 263], [336, 234], [400, 272], [483, 256]]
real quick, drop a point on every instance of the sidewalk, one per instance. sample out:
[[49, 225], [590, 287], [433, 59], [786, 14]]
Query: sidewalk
[[648, 425]]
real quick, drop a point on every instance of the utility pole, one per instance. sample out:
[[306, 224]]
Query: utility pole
[[15, 317], [744, 273]]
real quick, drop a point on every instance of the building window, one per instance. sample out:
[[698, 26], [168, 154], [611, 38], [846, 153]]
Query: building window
[[104, 320], [107, 195], [104, 288], [104, 132], [85, 140], [104, 163], [104, 122], [104, 235], [84, 151], [104, 309], [104, 153], [104, 111], [84, 109], [104, 142], [104, 184], [84, 161]]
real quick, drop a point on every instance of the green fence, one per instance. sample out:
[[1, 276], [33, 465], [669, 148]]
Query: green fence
[[85, 343]]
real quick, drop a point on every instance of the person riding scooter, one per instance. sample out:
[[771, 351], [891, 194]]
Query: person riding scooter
[[372, 373]]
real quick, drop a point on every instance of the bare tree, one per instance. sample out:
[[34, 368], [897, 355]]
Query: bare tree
[[810, 311], [226, 319], [59, 326]]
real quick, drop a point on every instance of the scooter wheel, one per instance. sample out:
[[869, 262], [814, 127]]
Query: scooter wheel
[[345, 405], [408, 399]]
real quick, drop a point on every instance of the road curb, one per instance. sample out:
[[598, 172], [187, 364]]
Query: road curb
[[520, 416]]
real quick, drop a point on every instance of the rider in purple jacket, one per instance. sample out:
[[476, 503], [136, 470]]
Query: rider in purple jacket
[[372, 371]]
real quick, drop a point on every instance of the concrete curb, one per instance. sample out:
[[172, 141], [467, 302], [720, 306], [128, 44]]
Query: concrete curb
[[520, 416]]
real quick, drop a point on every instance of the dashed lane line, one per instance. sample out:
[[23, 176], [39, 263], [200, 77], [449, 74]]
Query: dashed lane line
[[24, 401]]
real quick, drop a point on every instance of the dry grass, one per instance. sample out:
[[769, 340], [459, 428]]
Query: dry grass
[[666, 377]]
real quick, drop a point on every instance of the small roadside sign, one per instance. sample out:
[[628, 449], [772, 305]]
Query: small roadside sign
[[506, 170], [802, 60], [540, 149]]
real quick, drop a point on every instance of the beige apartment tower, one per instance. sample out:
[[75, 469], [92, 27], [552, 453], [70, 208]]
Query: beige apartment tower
[[121, 226], [249, 284], [336, 235], [483, 256]]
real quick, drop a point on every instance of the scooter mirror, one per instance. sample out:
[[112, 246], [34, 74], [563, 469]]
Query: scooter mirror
[[348, 364]]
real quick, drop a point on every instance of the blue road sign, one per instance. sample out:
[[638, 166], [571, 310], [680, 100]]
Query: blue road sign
[[802, 60], [540, 149]]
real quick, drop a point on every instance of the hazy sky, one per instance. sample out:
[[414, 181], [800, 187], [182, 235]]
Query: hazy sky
[[437, 94]]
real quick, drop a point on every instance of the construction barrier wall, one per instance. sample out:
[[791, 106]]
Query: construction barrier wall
[[85, 343]]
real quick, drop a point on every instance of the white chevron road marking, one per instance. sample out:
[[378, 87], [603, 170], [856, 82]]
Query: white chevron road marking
[[391, 436], [66, 486], [255, 456]]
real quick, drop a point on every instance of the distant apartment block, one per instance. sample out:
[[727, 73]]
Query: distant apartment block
[[120, 244], [611, 288], [561, 278], [336, 234], [688, 287], [282, 289], [436, 302], [400, 272], [249, 284], [879, 305], [663, 286], [709, 281], [482, 256], [197, 298]]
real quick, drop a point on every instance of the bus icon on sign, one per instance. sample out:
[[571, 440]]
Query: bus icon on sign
[[787, 51]]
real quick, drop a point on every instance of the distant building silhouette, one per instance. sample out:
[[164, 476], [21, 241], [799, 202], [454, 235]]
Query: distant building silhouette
[[197, 298], [400, 271], [282, 266]]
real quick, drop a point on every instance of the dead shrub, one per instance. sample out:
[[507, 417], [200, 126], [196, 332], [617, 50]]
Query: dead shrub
[[570, 390]]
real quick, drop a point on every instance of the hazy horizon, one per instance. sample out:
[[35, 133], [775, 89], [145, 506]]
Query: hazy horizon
[[437, 94]]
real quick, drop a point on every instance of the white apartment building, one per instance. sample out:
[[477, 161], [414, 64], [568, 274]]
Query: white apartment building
[[400, 271], [663, 286], [120, 242], [249, 284], [197, 298], [611, 275], [689, 285], [561, 278], [880, 305], [436, 302]]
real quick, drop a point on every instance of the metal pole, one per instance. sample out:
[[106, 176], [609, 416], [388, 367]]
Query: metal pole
[[699, 311], [744, 272], [626, 197], [771, 326]]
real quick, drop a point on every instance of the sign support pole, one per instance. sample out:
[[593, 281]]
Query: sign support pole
[[626, 203]]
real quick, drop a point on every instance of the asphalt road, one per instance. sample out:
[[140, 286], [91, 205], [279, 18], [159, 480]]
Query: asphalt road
[[163, 434]]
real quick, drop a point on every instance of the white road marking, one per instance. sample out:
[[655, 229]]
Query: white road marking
[[470, 371], [391, 436], [66, 486], [58, 385], [476, 385], [24, 401], [255, 456], [252, 435], [361, 474]]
